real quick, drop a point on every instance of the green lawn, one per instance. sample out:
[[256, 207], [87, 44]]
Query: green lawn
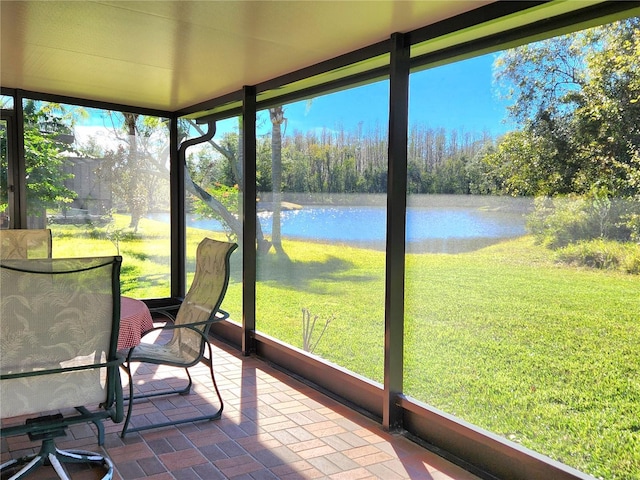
[[545, 355]]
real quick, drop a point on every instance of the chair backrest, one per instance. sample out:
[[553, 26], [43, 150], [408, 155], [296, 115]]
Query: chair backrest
[[59, 320], [25, 243], [203, 298]]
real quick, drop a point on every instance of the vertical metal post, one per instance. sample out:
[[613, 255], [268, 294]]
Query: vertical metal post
[[13, 180], [396, 225], [249, 219], [20, 172], [178, 224]]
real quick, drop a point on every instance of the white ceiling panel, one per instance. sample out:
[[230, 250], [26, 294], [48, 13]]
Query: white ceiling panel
[[170, 55]]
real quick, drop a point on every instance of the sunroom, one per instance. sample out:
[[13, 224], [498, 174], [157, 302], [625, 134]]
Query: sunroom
[[436, 203]]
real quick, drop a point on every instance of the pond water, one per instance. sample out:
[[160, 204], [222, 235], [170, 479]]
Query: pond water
[[439, 229]]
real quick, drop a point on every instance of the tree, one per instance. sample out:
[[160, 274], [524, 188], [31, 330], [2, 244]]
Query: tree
[[541, 77], [607, 120], [230, 148], [276, 115], [577, 99], [136, 192], [46, 136], [579, 93], [521, 164], [137, 166]]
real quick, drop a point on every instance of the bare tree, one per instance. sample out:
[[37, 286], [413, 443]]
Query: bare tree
[[136, 193], [235, 161]]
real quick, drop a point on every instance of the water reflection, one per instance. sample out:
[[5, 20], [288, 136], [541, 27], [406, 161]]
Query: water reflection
[[435, 223], [439, 229]]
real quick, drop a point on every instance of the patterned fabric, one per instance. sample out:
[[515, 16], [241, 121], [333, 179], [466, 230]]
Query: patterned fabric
[[27, 243], [56, 314], [135, 320], [202, 301]]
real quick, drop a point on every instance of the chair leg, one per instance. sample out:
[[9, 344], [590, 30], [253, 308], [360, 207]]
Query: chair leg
[[213, 380], [131, 398], [30, 462], [97, 423], [185, 391], [50, 455], [79, 456], [127, 368]]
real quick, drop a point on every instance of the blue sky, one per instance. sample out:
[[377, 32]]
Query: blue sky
[[459, 96]]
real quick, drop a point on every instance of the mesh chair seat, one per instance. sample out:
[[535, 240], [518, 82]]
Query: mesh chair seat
[[159, 354], [175, 353]]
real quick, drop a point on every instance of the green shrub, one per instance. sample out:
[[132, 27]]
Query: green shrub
[[561, 221], [631, 263], [633, 222], [557, 222], [602, 254]]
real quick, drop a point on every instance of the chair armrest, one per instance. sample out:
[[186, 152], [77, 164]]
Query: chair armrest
[[219, 316], [170, 326], [8, 376]]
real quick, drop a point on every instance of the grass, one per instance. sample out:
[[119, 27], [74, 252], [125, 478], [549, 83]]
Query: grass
[[503, 337], [546, 356]]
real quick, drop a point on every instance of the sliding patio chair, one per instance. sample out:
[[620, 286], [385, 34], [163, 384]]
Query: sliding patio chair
[[59, 320], [189, 331], [25, 243]]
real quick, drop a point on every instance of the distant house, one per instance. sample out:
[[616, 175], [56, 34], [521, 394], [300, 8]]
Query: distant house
[[94, 193]]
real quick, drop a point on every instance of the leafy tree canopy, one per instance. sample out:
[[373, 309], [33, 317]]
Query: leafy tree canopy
[[46, 136], [577, 98]]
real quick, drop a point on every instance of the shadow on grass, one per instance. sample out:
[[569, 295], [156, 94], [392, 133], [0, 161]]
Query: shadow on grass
[[131, 280], [280, 271]]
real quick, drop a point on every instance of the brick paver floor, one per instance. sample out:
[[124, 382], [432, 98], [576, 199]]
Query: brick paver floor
[[272, 427]]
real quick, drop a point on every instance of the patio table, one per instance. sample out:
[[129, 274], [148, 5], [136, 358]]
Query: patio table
[[135, 320]]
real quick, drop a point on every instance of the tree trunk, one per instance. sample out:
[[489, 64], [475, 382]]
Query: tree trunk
[[136, 195], [232, 220], [263, 245], [277, 118]]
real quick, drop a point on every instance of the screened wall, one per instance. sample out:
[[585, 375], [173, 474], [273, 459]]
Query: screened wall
[[424, 234], [512, 323], [322, 209], [99, 179]]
